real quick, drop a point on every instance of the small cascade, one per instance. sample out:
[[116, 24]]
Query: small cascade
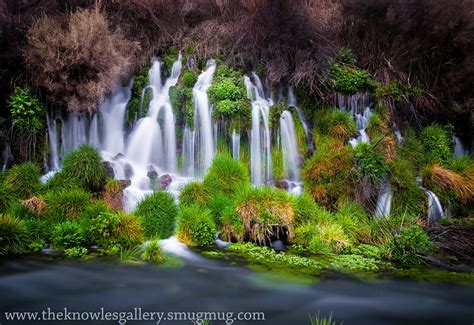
[[53, 141], [260, 139], [292, 102], [435, 210], [188, 152], [6, 155], [289, 147], [459, 149], [384, 201], [73, 133], [235, 145], [204, 133]]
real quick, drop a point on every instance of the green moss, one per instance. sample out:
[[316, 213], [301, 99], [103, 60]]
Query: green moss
[[275, 114], [61, 206], [23, 181], [189, 78], [277, 163], [181, 98], [14, 235], [301, 140], [226, 175], [345, 56], [85, 165], [354, 263], [135, 108], [196, 226], [157, 213]]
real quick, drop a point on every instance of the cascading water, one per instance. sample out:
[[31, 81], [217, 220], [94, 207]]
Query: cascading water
[[289, 146], [384, 201], [204, 133], [235, 145], [435, 210], [292, 102], [260, 139], [53, 140], [459, 149]]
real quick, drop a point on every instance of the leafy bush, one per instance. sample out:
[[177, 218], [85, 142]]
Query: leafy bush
[[40, 232], [196, 226], [26, 111], [349, 80], [226, 175], [194, 193], [157, 213], [85, 165], [408, 246], [13, 235], [436, 142], [189, 78], [102, 229], [346, 56], [153, 253], [370, 163], [224, 90], [76, 252], [24, 180], [68, 234], [65, 205]]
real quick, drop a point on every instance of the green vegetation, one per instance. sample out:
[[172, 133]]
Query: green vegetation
[[62, 182], [68, 234], [408, 246], [181, 97], [13, 235], [437, 144], [61, 206], [334, 123], [349, 80], [321, 320], [157, 213], [27, 111], [85, 165], [369, 161], [226, 175], [153, 252], [196, 226], [22, 181], [136, 108]]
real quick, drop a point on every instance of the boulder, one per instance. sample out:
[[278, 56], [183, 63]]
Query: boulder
[[281, 183], [108, 169], [164, 181]]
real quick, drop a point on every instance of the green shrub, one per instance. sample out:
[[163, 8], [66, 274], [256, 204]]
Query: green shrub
[[134, 111], [13, 235], [437, 143], [85, 165], [330, 237], [224, 89], [76, 252], [157, 213], [153, 253], [370, 163], [101, 230], [68, 234], [196, 226], [129, 231], [226, 175], [40, 233], [26, 110], [19, 211], [305, 232], [349, 80], [65, 205], [93, 210], [62, 182], [217, 205], [189, 78], [346, 56], [24, 180], [275, 114], [194, 193], [409, 245]]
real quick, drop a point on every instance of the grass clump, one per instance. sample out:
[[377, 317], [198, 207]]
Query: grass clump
[[6, 197], [61, 206], [226, 175], [266, 212], [354, 221], [196, 226], [332, 122], [437, 143], [153, 253], [158, 213], [231, 226], [370, 162], [85, 165], [194, 193], [14, 235], [308, 211], [23, 181], [62, 182]]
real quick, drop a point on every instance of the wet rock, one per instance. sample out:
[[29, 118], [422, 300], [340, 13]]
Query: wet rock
[[118, 156], [128, 171], [283, 184], [108, 169], [152, 174], [279, 246], [125, 183], [164, 181]]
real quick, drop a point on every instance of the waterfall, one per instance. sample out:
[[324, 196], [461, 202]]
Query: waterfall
[[188, 152], [6, 155], [292, 102], [235, 145], [459, 149], [53, 142], [289, 146], [435, 210], [384, 201], [202, 120], [260, 139]]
